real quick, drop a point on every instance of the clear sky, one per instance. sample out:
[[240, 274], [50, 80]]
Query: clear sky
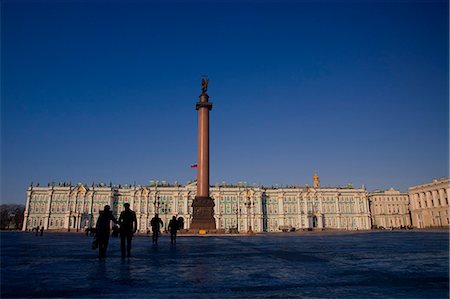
[[106, 91]]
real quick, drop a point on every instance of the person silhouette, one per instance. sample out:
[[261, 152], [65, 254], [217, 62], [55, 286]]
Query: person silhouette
[[173, 227], [156, 224], [102, 229], [128, 226]]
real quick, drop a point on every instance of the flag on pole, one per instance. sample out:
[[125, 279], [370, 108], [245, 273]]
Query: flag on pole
[[193, 165]]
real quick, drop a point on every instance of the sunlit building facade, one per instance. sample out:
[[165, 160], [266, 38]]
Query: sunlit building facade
[[389, 209], [429, 204], [259, 209]]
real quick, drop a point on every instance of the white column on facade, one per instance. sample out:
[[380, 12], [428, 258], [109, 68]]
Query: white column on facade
[[416, 201], [91, 210], [441, 194], [188, 216], [68, 210], [281, 213], [139, 218], [185, 204], [83, 208], [305, 211], [422, 200], [149, 205], [420, 204], [175, 203], [131, 201], [411, 203], [435, 196], [321, 211], [260, 212], [78, 217], [447, 190], [338, 212], [428, 199], [299, 214], [48, 212]]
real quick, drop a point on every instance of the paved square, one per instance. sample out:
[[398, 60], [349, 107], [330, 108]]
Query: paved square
[[396, 264]]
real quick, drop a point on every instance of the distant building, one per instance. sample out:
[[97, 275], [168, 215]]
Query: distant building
[[260, 209], [389, 208], [429, 204]]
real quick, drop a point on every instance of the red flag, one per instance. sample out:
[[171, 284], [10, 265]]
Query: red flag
[[193, 165]]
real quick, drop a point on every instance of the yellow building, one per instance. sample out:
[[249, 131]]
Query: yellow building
[[429, 204], [389, 209]]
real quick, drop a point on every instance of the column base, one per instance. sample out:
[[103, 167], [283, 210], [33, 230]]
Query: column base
[[203, 214]]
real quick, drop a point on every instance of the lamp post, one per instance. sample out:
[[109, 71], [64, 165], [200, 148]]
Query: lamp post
[[164, 210], [238, 210], [254, 216], [220, 220], [248, 204], [156, 204]]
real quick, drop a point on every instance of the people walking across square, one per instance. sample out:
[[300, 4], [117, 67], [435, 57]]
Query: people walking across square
[[173, 228], [156, 224], [128, 226], [102, 229]]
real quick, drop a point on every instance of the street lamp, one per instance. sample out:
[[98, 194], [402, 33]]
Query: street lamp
[[238, 210], [220, 220], [164, 210], [254, 215], [248, 204], [156, 204]]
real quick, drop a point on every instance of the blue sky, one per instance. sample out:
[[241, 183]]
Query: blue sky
[[106, 91]]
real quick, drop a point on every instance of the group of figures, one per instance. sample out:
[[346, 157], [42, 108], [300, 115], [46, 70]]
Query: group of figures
[[127, 223], [39, 231]]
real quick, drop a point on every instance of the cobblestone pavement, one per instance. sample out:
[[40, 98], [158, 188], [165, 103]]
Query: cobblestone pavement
[[395, 264]]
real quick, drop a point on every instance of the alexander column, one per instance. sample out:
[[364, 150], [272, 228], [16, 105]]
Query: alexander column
[[203, 205]]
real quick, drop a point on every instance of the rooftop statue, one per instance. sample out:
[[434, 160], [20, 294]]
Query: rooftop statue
[[204, 85]]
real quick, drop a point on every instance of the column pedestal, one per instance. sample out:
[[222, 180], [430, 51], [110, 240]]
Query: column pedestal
[[203, 217]]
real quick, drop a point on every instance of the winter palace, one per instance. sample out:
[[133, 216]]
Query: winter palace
[[238, 207]]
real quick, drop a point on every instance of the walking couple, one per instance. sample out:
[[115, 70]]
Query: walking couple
[[174, 225], [128, 226]]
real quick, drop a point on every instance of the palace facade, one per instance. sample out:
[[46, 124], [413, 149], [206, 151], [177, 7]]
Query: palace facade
[[238, 207], [429, 204], [259, 209], [389, 208]]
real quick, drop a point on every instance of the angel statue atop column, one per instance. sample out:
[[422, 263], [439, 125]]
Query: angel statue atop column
[[204, 84]]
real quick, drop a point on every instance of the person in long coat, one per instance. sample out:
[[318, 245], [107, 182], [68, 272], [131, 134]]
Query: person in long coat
[[128, 226], [102, 229], [173, 228], [156, 224]]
